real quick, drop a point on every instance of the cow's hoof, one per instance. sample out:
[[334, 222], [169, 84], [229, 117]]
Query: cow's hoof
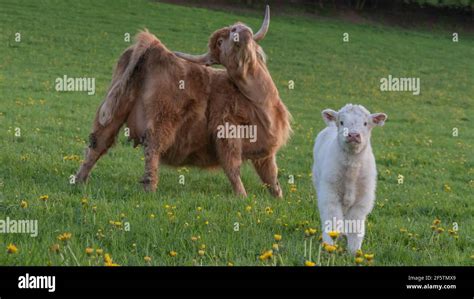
[[148, 185]]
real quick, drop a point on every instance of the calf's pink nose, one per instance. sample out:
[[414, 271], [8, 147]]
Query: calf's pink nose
[[354, 135]]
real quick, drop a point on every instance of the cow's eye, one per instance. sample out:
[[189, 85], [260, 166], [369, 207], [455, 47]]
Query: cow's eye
[[219, 42], [365, 124], [342, 123]]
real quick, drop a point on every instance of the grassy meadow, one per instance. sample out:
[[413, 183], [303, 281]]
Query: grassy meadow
[[201, 222]]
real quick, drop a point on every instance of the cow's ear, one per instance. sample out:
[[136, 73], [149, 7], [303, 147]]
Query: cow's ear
[[378, 118], [329, 116]]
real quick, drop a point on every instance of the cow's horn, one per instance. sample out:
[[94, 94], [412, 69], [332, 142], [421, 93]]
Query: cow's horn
[[200, 59], [263, 30]]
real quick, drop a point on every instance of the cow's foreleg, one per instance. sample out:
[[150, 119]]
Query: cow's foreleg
[[157, 140], [230, 156], [267, 169]]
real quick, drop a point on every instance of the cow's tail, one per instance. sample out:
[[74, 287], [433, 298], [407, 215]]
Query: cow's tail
[[116, 96]]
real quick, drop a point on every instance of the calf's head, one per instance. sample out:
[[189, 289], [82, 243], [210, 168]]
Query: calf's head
[[233, 46], [354, 125]]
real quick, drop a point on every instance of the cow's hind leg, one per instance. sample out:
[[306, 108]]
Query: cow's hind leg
[[267, 169], [100, 140]]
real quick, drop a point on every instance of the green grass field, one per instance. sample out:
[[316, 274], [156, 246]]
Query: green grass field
[[112, 213]]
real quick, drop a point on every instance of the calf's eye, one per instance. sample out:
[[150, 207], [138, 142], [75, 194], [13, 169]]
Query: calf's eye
[[342, 123], [365, 124]]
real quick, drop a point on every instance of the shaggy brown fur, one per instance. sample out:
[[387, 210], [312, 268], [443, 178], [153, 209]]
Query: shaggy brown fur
[[179, 126]]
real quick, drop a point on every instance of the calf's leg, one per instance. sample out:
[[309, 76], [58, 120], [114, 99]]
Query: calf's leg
[[356, 215], [330, 210]]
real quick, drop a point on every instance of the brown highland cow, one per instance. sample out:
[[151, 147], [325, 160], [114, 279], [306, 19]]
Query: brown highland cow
[[175, 108]]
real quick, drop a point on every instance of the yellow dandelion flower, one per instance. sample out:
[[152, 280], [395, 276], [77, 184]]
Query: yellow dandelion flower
[[312, 231], [99, 251], [201, 252], [266, 255], [108, 261], [107, 258], [23, 204], [369, 257], [330, 248], [447, 188], [173, 253], [359, 253], [44, 197], [147, 259], [64, 237], [403, 230], [89, 251], [275, 247], [436, 222], [268, 210], [84, 201], [309, 264], [359, 260], [333, 234], [248, 208], [440, 230], [11, 248], [194, 239], [230, 264], [277, 237]]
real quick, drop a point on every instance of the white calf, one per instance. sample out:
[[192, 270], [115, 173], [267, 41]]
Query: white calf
[[344, 172]]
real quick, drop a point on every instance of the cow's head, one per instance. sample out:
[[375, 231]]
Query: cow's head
[[233, 46]]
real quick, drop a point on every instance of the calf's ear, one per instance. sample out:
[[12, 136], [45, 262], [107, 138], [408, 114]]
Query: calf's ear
[[329, 116], [378, 118]]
